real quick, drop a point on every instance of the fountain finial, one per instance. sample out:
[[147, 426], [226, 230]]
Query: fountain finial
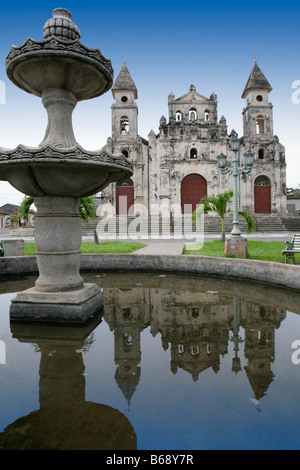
[[62, 12], [61, 26]]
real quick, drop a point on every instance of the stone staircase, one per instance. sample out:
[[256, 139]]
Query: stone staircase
[[292, 224], [269, 224], [158, 226]]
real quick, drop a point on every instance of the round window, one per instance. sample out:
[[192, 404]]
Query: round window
[[259, 98], [124, 99]]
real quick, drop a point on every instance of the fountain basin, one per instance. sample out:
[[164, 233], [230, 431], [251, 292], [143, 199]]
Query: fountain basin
[[74, 172], [38, 65]]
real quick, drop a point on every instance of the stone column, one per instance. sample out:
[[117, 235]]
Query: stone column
[[60, 105], [59, 294], [58, 240]]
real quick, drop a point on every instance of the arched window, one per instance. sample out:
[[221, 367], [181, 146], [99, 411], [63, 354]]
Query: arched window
[[127, 183], [127, 342], [124, 125], [178, 116], [206, 115], [193, 153], [262, 181], [261, 154], [192, 114], [195, 350], [125, 153], [260, 124], [126, 313]]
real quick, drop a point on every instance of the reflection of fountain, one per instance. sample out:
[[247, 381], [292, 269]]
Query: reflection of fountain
[[61, 71], [65, 421]]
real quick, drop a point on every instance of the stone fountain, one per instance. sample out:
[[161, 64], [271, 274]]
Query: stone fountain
[[59, 172]]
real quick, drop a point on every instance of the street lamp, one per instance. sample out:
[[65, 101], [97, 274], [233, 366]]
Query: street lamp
[[235, 171], [236, 362]]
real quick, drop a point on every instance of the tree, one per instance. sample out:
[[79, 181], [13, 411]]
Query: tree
[[87, 208], [219, 204], [13, 220], [25, 206]]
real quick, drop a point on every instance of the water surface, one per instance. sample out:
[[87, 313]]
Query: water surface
[[171, 362]]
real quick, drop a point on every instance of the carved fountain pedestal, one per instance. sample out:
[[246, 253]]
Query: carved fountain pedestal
[[59, 293], [58, 173]]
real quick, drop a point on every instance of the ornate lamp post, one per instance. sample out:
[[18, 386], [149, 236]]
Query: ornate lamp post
[[235, 171]]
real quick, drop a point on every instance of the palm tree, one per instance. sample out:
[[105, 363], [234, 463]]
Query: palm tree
[[219, 204], [25, 206], [87, 208]]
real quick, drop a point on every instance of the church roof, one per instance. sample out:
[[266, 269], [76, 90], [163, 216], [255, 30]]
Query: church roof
[[192, 95], [124, 82], [256, 81], [12, 209]]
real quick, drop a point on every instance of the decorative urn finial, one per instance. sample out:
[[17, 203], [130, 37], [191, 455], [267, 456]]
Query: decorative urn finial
[[61, 26]]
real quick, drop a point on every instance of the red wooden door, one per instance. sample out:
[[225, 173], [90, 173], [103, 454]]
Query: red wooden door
[[193, 189], [262, 199], [125, 200]]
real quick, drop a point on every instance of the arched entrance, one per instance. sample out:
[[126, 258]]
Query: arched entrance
[[125, 197], [193, 189], [262, 195]]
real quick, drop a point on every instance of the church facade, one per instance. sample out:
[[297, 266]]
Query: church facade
[[178, 166]]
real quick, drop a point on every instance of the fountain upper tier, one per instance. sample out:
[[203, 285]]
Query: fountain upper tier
[[60, 61], [62, 71]]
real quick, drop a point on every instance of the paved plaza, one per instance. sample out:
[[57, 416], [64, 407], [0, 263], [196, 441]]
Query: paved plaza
[[162, 246]]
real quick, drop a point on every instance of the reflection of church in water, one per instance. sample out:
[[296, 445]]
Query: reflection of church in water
[[199, 328]]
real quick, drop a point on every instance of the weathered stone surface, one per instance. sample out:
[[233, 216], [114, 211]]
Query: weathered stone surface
[[13, 247], [49, 171], [70, 306], [58, 240], [237, 247], [275, 274]]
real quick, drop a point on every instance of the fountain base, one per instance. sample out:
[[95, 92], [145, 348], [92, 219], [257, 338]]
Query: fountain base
[[70, 307]]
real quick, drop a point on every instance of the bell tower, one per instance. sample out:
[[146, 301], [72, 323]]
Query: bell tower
[[126, 140], [258, 114], [124, 109]]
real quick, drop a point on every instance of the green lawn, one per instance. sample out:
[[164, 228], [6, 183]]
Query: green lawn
[[264, 251], [104, 247]]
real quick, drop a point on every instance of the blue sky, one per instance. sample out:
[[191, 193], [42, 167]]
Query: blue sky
[[168, 46]]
